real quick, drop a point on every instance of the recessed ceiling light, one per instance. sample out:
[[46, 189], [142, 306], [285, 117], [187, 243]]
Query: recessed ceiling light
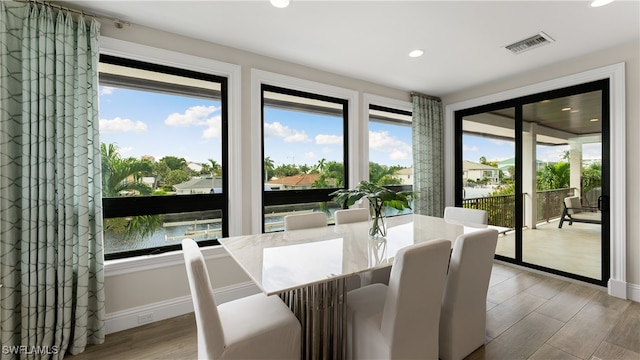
[[594, 120], [416, 53], [598, 3], [280, 3], [566, 109]]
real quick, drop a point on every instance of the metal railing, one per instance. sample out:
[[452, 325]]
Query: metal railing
[[502, 211]]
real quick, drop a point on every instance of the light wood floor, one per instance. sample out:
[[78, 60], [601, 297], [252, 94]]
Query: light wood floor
[[574, 249], [529, 316]]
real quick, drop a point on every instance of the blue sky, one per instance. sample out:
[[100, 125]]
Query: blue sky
[[145, 123]]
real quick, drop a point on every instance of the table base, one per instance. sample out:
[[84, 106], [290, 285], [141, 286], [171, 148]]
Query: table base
[[321, 309]]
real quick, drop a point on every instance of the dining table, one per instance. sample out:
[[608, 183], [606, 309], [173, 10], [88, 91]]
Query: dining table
[[308, 268]]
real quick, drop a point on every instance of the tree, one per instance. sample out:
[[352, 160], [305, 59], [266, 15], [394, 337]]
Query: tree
[[591, 177], [332, 175], [269, 167], [382, 174], [554, 176], [286, 170], [174, 163], [116, 171]]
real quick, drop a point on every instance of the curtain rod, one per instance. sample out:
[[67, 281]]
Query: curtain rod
[[425, 95], [118, 23]]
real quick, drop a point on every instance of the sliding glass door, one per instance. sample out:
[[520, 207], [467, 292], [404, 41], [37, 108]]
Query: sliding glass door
[[539, 166]]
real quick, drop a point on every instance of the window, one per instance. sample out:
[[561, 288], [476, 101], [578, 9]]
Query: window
[[163, 138], [390, 149], [304, 152]]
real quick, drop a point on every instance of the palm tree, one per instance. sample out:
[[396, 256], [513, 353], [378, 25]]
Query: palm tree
[[115, 172], [216, 169], [269, 166]]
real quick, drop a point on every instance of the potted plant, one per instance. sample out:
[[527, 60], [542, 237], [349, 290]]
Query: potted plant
[[379, 197]]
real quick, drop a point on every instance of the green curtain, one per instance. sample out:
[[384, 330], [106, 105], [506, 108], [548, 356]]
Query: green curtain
[[51, 254], [428, 155]]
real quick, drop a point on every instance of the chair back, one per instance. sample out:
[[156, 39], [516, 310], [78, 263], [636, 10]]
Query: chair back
[[465, 215], [304, 221], [463, 318], [347, 216], [209, 328], [573, 205], [412, 304]]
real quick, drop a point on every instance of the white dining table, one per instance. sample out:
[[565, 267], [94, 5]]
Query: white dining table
[[307, 268]]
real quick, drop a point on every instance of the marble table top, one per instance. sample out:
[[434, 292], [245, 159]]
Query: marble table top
[[283, 261]]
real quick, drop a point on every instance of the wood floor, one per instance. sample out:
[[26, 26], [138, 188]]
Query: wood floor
[[529, 316]]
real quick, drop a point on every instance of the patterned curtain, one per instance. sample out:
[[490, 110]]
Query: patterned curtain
[[428, 155], [51, 256]]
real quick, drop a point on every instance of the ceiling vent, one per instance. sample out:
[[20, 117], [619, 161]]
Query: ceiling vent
[[529, 43]]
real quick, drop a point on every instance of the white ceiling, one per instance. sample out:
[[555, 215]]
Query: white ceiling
[[463, 40]]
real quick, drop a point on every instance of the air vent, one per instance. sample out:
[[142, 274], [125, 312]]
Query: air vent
[[529, 43]]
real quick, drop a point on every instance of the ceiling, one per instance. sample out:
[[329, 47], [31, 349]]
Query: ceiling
[[370, 40]]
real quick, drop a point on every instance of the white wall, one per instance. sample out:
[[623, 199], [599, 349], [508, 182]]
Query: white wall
[[157, 285]]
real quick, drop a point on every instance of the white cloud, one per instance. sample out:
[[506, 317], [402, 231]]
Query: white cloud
[[383, 142], [214, 128], [276, 129], [322, 139], [195, 115], [118, 125], [469, 148], [106, 90], [310, 155]]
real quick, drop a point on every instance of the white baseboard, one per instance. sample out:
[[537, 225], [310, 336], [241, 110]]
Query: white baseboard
[[131, 318], [633, 292]]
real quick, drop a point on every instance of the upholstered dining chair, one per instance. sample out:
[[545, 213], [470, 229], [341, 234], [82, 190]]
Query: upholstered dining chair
[[465, 215], [346, 216], [463, 317], [252, 327], [400, 321], [304, 221]]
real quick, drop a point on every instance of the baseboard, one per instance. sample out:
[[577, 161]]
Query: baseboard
[[633, 292], [142, 315]]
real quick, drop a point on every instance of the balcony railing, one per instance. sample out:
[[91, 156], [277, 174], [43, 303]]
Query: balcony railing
[[502, 212]]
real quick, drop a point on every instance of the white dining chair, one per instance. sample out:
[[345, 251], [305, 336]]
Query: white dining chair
[[466, 215], [463, 317], [346, 216], [304, 221], [256, 326], [400, 321]]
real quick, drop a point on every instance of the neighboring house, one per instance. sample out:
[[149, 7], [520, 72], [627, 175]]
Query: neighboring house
[[404, 175], [476, 171], [206, 185], [295, 182]]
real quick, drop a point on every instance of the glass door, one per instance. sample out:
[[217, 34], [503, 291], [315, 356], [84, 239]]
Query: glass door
[[488, 171], [564, 218], [539, 165]]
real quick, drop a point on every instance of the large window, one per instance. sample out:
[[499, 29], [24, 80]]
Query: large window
[[304, 153], [390, 149], [163, 138]]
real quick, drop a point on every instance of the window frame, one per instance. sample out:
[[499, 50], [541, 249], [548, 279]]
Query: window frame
[[374, 102], [114, 207], [286, 197]]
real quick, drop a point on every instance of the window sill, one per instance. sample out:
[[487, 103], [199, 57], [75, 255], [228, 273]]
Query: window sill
[[150, 262]]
